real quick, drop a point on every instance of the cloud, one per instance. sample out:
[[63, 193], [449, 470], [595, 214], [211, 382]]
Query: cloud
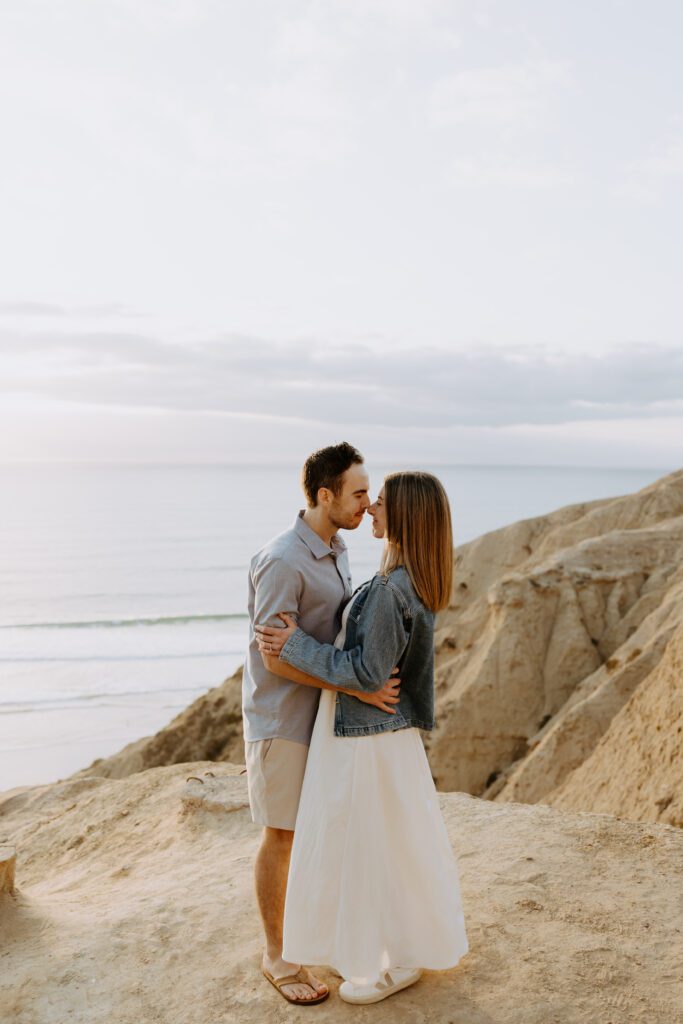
[[48, 309], [363, 384], [31, 309], [645, 179], [508, 171], [508, 95]]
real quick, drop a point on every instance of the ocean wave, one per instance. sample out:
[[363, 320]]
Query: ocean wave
[[48, 659], [161, 620], [57, 701]]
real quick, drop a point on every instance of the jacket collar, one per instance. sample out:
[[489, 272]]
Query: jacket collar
[[315, 543]]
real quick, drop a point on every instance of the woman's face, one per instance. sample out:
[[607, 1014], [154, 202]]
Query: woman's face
[[378, 515]]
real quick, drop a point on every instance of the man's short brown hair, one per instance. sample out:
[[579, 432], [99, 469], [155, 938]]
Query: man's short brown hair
[[326, 467]]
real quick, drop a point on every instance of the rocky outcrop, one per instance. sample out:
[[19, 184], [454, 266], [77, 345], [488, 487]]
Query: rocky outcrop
[[134, 904], [636, 768], [534, 663], [8, 861], [569, 739]]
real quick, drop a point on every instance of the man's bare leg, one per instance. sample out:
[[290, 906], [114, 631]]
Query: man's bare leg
[[272, 868]]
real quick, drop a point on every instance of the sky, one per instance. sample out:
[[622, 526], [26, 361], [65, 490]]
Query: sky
[[443, 231]]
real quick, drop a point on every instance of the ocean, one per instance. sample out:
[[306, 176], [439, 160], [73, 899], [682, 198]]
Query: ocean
[[123, 587]]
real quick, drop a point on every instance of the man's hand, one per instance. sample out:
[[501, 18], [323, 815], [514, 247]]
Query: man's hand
[[384, 698]]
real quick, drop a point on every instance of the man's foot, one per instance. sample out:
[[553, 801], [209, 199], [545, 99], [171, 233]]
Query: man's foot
[[308, 989]]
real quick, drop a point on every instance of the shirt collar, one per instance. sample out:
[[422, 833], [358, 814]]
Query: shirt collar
[[316, 544]]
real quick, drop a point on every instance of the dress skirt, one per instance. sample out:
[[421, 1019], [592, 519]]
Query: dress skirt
[[373, 882]]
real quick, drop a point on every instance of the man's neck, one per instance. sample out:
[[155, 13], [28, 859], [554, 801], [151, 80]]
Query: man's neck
[[317, 519]]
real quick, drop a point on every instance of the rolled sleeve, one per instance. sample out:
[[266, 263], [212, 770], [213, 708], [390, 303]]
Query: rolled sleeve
[[382, 639], [277, 588]]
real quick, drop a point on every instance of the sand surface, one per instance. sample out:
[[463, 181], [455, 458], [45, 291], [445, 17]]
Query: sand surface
[[134, 905]]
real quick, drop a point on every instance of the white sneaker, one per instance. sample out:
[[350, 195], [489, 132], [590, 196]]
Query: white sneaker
[[389, 982]]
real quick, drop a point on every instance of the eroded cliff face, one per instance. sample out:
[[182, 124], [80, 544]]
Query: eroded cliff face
[[535, 662], [636, 768], [556, 623]]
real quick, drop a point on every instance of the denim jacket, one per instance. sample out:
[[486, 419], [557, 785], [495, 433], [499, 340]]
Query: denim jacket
[[387, 626]]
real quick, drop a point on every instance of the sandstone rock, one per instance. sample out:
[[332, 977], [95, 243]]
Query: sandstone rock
[[570, 737], [547, 651], [636, 769], [8, 861], [219, 794]]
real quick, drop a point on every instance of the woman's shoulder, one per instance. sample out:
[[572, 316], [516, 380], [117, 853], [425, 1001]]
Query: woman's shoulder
[[384, 586], [400, 582], [399, 577]]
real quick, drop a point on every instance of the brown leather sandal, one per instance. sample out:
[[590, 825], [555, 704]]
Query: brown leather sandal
[[302, 977]]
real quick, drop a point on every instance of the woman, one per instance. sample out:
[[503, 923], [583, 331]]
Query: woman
[[373, 885]]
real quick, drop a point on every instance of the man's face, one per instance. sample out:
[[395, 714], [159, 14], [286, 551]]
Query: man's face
[[347, 509]]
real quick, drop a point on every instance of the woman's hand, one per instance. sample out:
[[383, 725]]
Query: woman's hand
[[271, 639]]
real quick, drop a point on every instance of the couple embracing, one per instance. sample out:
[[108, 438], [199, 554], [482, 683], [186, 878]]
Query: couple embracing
[[355, 870]]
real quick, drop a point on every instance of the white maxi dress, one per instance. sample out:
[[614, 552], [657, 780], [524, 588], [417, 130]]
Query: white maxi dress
[[373, 882]]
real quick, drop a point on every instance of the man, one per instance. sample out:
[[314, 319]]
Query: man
[[304, 572]]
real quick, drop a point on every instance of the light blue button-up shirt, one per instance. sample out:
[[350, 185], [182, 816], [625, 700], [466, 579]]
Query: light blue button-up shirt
[[297, 573]]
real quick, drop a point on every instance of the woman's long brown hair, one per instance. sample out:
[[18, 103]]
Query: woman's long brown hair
[[419, 535]]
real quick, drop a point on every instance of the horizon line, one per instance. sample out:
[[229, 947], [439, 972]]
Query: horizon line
[[257, 464]]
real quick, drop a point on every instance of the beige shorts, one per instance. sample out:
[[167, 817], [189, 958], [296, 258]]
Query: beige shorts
[[275, 774]]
